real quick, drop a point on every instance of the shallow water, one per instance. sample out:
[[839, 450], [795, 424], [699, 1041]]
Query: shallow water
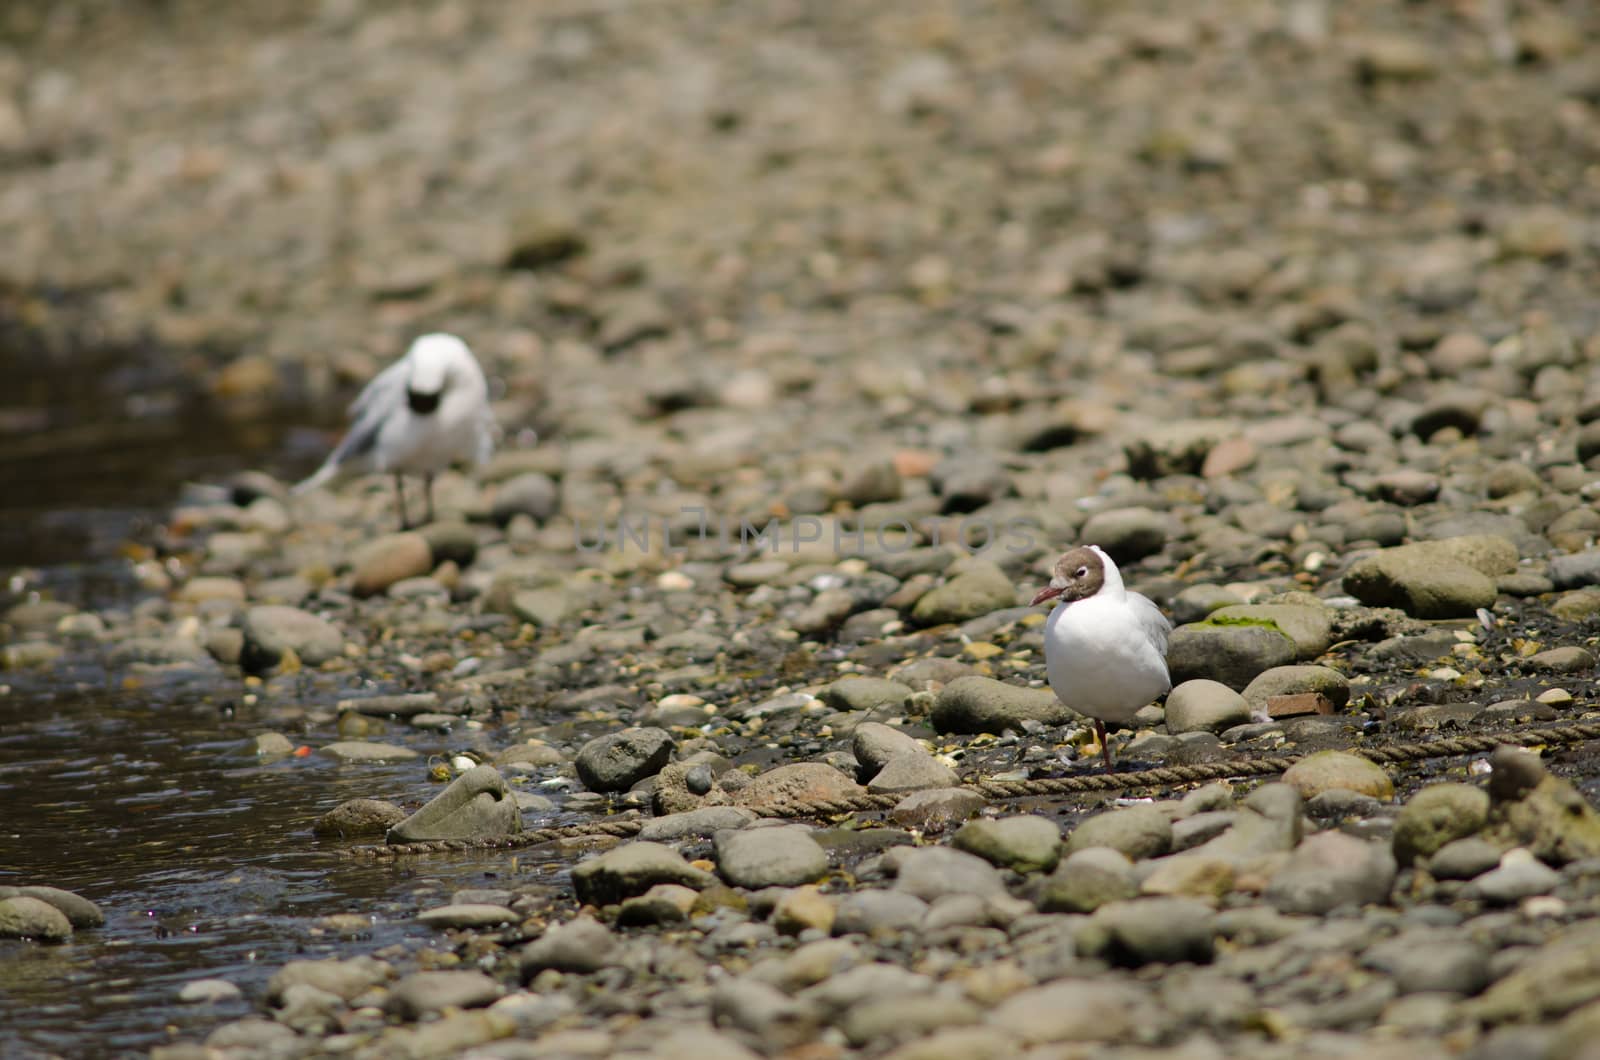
[[136, 797], [202, 859]]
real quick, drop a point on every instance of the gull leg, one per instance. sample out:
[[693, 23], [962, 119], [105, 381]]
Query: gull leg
[[427, 491], [400, 492], [1105, 743]]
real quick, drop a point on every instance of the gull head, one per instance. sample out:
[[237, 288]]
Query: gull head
[[1077, 575], [437, 361]]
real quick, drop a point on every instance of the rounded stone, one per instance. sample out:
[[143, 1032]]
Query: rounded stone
[[1026, 843], [25, 917], [1088, 879], [1137, 832], [982, 704], [1435, 816], [1203, 705], [1327, 770], [619, 760], [359, 817], [270, 630], [770, 857], [388, 559], [1293, 680]]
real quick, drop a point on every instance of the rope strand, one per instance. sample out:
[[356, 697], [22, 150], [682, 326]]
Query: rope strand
[[1160, 776]]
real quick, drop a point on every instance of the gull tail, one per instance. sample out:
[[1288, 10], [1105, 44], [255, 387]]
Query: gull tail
[[324, 474]]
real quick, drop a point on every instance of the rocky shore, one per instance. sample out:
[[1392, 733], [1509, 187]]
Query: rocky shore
[[817, 333]]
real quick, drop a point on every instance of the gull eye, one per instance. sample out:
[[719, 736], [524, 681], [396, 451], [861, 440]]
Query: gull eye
[[1081, 572]]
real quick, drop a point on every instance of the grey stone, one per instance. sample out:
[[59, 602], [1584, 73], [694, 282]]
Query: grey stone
[[1329, 870], [1338, 804], [872, 912], [1463, 859], [344, 979], [937, 809], [619, 760], [1204, 706], [1190, 832], [1267, 822], [706, 821], [1026, 843], [1449, 578], [467, 915], [580, 946], [81, 912], [1150, 930], [1230, 654], [913, 771], [981, 704], [838, 993], [884, 1021], [825, 611], [665, 903], [631, 869], [874, 744], [1088, 879], [968, 482], [1329, 770], [1432, 960], [531, 493], [1519, 876], [423, 993], [367, 751], [25, 917], [1077, 1010], [208, 992], [932, 872], [979, 588], [1291, 680], [270, 630], [1576, 571], [1435, 816], [1138, 831], [359, 817], [1128, 534], [770, 1018], [477, 803], [770, 857], [865, 693]]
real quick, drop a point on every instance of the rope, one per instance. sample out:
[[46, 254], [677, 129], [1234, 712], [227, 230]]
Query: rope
[[1160, 776]]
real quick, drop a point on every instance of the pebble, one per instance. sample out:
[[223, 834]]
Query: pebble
[[1204, 706], [913, 771], [871, 912], [982, 704], [1520, 875], [1151, 930], [632, 869], [619, 760], [1436, 816], [1231, 655], [1463, 859], [1330, 870], [1023, 844], [977, 588], [271, 630], [579, 946], [25, 917], [208, 992], [1330, 770], [467, 916], [386, 560], [865, 693], [784, 856], [1138, 832], [930, 873], [423, 993], [1088, 879]]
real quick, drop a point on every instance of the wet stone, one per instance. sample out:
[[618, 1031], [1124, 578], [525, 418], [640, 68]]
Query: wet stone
[[270, 630], [23, 917], [470, 916], [477, 803], [632, 869], [79, 911]]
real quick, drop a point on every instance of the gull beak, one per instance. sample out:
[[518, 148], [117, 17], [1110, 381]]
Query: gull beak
[[1049, 592]]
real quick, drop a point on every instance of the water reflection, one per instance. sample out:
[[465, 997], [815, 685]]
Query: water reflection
[[202, 859]]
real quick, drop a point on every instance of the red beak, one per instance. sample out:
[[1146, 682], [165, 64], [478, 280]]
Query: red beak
[[1047, 593]]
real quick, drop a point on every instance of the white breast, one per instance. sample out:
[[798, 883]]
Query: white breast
[[1101, 659]]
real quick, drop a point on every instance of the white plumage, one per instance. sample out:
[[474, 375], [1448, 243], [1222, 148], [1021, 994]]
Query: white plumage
[[1105, 647], [425, 412]]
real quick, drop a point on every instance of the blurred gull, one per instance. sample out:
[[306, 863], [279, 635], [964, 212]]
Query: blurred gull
[[428, 410], [1105, 648]]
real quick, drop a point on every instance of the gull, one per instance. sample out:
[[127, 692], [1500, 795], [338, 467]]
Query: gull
[[1105, 647], [428, 410]]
